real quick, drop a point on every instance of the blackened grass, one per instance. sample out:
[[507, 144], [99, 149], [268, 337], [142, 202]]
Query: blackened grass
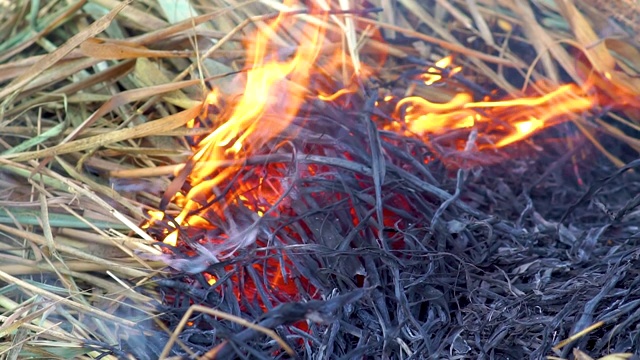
[[465, 262]]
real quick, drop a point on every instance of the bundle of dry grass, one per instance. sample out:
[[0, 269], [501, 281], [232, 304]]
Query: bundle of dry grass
[[95, 95]]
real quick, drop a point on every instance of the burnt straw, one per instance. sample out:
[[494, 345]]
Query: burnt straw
[[379, 245]]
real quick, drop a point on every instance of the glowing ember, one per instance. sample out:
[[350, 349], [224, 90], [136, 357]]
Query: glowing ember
[[217, 178], [271, 86]]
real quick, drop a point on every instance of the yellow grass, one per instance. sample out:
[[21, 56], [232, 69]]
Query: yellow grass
[[93, 93]]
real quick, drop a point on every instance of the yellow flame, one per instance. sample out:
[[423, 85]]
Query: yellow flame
[[525, 115], [172, 238], [433, 73], [278, 88], [211, 280], [334, 96], [523, 130], [154, 216], [563, 91], [272, 86]]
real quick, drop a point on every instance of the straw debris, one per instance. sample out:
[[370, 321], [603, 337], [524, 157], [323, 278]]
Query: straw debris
[[395, 246]]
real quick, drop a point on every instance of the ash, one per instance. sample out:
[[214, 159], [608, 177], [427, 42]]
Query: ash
[[382, 246]]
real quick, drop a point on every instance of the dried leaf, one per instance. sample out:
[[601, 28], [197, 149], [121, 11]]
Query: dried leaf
[[116, 50], [595, 50], [149, 74], [544, 44], [156, 127], [54, 131], [124, 98], [628, 56], [49, 60]]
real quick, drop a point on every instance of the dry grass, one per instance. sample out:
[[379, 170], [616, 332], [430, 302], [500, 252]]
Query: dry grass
[[95, 94]]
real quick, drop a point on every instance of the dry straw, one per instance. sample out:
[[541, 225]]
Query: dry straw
[[95, 93]]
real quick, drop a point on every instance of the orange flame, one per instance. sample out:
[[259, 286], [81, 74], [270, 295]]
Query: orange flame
[[271, 86], [523, 116], [276, 90], [433, 74]]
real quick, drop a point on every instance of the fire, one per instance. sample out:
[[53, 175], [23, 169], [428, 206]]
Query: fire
[[271, 86], [520, 117], [216, 177], [434, 73], [423, 116], [276, 86], [334, 96]]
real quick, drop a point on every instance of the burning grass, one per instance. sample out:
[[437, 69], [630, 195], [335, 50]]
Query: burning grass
[[310, 202]]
